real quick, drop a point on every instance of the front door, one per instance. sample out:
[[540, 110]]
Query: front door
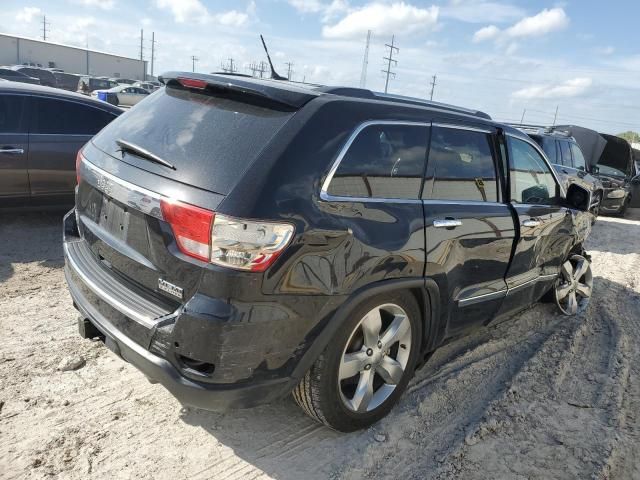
[[469, 227], [545, 226], [14, 148]]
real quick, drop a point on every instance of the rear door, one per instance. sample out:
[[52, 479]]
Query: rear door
[[469, 227], [14, 146], [545, 225], [59, 128]]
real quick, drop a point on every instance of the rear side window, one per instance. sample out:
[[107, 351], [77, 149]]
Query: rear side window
[[549, 147], [53, 116], [384, 161], [565, 150], [578, 158], [531, 179], [461, 166], [12, 114]]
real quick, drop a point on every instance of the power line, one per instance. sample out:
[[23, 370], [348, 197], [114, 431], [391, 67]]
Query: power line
[[289, 69], [194, 59], [390, 60], [433, 86], [365, 61]]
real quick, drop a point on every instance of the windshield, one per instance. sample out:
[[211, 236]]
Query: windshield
[[606, 170]]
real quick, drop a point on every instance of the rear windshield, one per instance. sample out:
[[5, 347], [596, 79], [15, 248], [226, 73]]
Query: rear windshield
[[211, 140]]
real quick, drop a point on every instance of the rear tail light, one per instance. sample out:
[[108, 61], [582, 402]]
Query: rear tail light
[[191, 226], [192, 83], [78, 162], [247, 244], [225, 241]]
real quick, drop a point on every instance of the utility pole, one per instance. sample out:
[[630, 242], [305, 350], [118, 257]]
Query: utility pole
[[555, 117], [263, 68], [44, 27], [289, 70], [153, 50], [390, 60], [433, 86], [522, 119], [194, 59], [229, 67], [365, 61]]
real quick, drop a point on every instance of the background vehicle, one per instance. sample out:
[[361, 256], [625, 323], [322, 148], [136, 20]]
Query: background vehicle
[[87, 84], [635, 181], [121, 95], [123, 81], [610, 159], [209, 256], [67, 81], [567, 159], [45, 76], [41, 131], [14, 76], [149, 86]]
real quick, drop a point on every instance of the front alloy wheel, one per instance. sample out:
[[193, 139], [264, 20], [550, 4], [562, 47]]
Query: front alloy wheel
[[365, 368], [574, 286]]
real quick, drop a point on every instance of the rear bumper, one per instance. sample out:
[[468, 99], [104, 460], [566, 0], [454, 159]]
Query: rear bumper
[[110, 317]]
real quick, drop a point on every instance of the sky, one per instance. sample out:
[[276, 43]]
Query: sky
[[508, 58]]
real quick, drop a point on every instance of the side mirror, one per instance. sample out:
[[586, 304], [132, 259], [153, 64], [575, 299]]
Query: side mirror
[[578, 198]]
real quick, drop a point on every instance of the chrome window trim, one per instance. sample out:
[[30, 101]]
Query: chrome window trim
[[482, 298], [544, 159], [324, 190], [434, 201], [463, 127], [127, 193]]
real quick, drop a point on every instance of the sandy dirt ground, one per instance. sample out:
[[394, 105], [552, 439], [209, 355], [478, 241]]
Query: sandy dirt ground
[[539, 396]]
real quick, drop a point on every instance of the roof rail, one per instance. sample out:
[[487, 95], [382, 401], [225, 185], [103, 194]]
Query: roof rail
[[544, 128], [429, 103]]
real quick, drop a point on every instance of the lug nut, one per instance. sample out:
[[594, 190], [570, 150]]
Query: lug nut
[[369, 351], [367, 366]]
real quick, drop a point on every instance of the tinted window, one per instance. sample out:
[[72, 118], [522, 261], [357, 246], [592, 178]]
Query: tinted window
[[565, 149], [531, 179], [461, 166], [12, 114], [384, 161], [549, 147], [63, 117], [210, 139], [578, 158]]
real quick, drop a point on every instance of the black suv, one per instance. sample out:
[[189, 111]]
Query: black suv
[[238, 239], [567, 159]]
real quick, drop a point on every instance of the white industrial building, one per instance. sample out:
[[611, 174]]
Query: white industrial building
[[19, 50]]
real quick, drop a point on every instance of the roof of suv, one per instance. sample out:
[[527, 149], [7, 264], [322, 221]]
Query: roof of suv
[[28, 88], [295, 94], [543, 131]]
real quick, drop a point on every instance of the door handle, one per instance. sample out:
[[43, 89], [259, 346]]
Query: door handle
[[531, 222], [447, 223], [12, 151]]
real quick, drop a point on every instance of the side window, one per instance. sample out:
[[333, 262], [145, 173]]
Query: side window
[[384, 161], [531, 179], [565, 149], [550, 150], [461, 165], [68, 118], [12, 114], [578, 159]]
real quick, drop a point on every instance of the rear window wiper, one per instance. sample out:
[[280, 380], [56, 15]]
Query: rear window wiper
[[132, 148]]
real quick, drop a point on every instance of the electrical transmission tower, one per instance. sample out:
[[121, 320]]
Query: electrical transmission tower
[[365, 61], [257, 68], [229, 67], [390, 60], [433, 86], [289, 69], [44, 27], [194, 59]]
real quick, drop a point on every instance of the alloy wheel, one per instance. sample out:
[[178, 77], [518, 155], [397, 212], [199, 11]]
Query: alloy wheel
[[375, 358], [574, 286]]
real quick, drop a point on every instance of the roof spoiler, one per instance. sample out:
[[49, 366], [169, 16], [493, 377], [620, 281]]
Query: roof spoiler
[[275, 92]]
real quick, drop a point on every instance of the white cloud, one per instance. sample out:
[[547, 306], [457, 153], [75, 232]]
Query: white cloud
[[328, 9], [569, 88], [232, 18], [307, 6], [486, 33], [102, 4], [185, 10], [383, 19], [27, 14], [608, 50], [545, 22], [480, 11]]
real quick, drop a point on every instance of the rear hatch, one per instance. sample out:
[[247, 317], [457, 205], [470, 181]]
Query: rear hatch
[[189, 144]]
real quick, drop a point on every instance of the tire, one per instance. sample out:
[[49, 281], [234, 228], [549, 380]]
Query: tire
[[335, 402]]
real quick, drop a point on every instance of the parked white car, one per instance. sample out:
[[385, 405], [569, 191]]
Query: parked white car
[[122, 95]]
